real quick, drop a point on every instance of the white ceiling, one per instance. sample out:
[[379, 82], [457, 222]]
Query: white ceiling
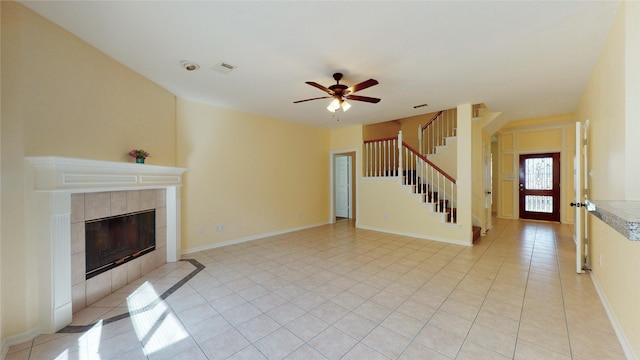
[[522, 58]]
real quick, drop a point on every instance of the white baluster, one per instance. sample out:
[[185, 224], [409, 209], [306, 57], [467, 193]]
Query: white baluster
[[382, 150], [379, 159], [375, 159], [367, 159], [400, 156], [377, 151], [387, 160], [393, 142], [370, 159], [369, 162]]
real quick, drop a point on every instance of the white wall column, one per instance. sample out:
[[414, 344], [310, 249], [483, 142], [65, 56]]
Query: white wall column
[[54, 255], [464, 133]]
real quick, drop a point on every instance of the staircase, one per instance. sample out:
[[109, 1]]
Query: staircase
[[434, 188], [428, 195], [426, 172]]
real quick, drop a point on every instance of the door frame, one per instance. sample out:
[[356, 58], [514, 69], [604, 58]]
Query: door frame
[[349, 176], [557, 193], [355, 161]]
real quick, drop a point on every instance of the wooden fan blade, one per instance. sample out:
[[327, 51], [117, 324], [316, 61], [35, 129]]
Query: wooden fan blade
[[315, 84], [363, 98], [363, 85], [322, 97]]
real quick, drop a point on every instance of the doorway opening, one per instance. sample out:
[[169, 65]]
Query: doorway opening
[[344, 190], [540, 186]]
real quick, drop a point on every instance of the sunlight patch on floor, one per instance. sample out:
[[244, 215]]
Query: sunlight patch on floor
[[154, 323], [89, 343]]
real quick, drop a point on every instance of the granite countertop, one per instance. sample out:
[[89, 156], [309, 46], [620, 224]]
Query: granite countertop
[[623, 216]]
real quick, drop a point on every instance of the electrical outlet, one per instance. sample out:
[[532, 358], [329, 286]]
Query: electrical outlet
[[599, 260], [219, 227], [386, 217], [201, 230], [300, 215]]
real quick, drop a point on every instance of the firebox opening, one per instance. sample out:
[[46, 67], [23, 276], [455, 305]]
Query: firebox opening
[[115, 240]]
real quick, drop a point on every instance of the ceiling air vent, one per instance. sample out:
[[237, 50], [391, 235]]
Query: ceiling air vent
[[224, 68]]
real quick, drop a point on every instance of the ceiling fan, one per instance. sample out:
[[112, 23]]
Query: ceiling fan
[[340, 92]]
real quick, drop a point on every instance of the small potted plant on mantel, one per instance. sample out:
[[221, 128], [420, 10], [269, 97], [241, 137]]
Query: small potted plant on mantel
[[139, 155]]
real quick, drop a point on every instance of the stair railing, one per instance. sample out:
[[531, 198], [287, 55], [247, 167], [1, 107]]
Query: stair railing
[[435, 185], [435, 132], [381, 157], [391, 157]]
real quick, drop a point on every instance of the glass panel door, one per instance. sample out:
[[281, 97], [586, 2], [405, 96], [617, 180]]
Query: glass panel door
[[540, 186]]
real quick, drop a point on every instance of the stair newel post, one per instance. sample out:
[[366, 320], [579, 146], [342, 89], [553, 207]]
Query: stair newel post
[[400, 156], [454, 220], [447, 127], [420, 148], [434, 134]]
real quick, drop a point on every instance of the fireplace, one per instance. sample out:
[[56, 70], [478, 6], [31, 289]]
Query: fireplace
[[64, 193], [116, 240]]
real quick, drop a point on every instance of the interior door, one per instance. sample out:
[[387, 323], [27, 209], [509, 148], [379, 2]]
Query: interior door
[[580, 185], [540, 186], [342, 185], [488, 186]]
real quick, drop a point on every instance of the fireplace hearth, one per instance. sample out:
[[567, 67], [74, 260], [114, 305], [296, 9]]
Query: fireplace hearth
[[116, 240]]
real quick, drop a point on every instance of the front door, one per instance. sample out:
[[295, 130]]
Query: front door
[[540, 186]]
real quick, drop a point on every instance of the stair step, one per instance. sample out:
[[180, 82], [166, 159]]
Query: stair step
[[452, 214], [411, 178], [476, 233]]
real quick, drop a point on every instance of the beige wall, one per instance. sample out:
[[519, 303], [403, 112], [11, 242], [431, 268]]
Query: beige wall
[[1, 177], [541, 135], [616, 266], [349, 141], [408, 125], [62, 97], [610, 102], [277, 179], [347, 138]]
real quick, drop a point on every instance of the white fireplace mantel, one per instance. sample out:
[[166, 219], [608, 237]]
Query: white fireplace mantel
[[48, 201], [54, 173]]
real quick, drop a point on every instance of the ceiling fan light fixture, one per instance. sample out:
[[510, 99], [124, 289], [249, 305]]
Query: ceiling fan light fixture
[[345, 105], [334, 105]]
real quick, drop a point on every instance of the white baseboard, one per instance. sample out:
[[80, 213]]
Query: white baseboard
[[624, 342], [419, 236], [18, 339], [249, 238]]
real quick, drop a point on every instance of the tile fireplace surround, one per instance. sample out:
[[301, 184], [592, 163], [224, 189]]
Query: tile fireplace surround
[[53, 201], [91, 206]]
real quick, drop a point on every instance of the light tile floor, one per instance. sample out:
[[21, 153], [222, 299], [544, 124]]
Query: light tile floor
[[337, 292]]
